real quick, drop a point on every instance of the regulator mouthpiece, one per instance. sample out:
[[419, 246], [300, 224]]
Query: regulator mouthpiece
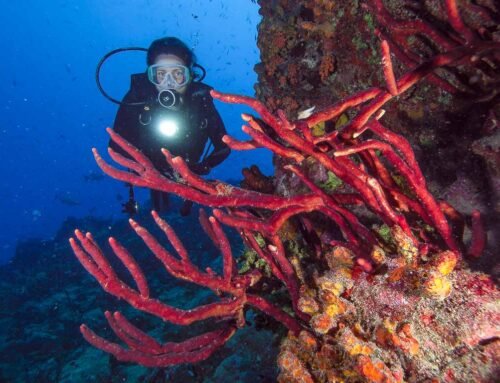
[[169, 99]]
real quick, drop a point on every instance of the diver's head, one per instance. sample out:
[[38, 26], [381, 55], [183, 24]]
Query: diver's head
[[169, 72], [170, 64]]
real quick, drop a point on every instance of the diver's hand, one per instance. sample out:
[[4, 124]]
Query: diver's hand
[[200, 169]]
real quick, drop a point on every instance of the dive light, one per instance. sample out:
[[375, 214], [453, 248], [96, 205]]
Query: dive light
[[168, 127]]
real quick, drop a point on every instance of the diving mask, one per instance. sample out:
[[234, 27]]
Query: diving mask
[[169, 76]]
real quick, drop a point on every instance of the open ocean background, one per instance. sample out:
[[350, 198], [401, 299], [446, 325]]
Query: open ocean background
[[53, 114]]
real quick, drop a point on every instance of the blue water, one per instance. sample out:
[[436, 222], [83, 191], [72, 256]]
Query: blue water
[[53, 114]]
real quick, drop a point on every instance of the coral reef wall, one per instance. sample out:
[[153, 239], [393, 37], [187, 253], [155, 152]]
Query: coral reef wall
[[316, 52]]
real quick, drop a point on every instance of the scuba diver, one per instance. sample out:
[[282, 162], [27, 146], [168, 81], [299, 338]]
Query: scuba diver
[[169, 107]]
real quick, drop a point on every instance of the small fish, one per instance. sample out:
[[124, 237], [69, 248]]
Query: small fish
[[35, 215], [65, 199], [93, 176], [302, 115]]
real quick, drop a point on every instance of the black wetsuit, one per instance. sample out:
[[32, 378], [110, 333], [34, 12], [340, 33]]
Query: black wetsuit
[[198, 119]]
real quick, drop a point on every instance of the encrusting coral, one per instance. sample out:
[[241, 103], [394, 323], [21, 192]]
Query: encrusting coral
[[383, 293]]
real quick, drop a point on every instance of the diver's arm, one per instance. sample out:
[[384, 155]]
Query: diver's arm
[[125, 124], [216, 131]]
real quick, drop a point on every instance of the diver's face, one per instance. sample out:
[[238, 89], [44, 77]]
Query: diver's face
[[178, 75]]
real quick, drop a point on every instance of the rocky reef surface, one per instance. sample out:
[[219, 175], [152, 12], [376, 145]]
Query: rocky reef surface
[[46, 295]]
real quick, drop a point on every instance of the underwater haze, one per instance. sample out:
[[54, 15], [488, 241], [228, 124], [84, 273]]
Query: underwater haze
[[53, 114]]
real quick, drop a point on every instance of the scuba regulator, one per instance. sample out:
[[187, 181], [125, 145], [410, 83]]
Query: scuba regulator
[[196, 76]]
